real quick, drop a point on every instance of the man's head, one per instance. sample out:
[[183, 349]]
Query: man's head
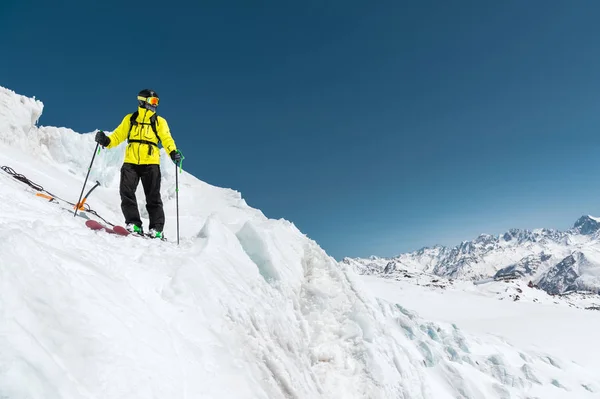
[[148, 99]]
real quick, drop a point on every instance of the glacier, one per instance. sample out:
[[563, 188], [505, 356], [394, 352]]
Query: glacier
[[245, 307]]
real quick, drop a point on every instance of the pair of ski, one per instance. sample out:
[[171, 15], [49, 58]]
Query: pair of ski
[[117, 230]]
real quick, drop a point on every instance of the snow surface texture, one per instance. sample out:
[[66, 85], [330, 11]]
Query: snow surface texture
[[558, 262], [245, 307], [524, 317]]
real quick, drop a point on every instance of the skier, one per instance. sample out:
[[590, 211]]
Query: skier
[[143, 130]]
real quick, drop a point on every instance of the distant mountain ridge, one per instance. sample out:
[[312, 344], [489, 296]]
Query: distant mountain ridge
[[556, 261]]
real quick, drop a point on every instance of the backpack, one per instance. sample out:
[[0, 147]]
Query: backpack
[[133, 122]]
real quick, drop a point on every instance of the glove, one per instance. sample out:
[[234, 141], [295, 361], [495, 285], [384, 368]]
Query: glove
[[102, 139], [176, 156]]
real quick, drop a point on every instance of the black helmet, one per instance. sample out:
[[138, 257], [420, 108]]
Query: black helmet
[[146, 99]]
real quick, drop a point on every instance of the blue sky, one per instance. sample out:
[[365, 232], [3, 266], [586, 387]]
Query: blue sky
[[376, 127]]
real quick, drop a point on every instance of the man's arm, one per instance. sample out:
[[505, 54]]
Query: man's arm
[[164, 134], [120, 133]]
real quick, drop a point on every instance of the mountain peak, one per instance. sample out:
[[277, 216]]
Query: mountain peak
[[587, 225]]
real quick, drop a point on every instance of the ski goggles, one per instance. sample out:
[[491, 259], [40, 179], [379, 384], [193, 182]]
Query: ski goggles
[[149, 100]]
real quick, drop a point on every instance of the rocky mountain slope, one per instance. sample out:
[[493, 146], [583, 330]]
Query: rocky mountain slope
[[558, 262]]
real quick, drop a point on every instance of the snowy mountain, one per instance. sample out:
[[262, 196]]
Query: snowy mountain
[[244, 307], [558, 262], [577, 272]]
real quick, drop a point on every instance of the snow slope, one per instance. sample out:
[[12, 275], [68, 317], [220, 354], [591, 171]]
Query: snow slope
[[245, 307], [543, 324]]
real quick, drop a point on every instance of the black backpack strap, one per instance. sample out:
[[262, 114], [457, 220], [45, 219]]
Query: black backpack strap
[[133, 122], [153, 123]]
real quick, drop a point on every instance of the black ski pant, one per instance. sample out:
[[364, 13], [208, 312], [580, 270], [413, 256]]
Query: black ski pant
[[131, 175]]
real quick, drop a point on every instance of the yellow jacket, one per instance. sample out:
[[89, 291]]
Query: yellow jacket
[[143, 153]]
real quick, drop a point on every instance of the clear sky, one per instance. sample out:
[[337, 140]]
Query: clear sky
[[377, 127]]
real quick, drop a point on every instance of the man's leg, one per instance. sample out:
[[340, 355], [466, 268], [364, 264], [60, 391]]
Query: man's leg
[[151, 182], [127, 187]]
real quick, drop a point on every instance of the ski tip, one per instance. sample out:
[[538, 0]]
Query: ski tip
[[92, 224]]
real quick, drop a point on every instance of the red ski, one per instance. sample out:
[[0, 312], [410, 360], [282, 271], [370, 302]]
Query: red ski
[[118, 230], [122, 231]]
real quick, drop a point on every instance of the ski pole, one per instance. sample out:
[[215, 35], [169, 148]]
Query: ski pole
[[86, 178], [177, 199]]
